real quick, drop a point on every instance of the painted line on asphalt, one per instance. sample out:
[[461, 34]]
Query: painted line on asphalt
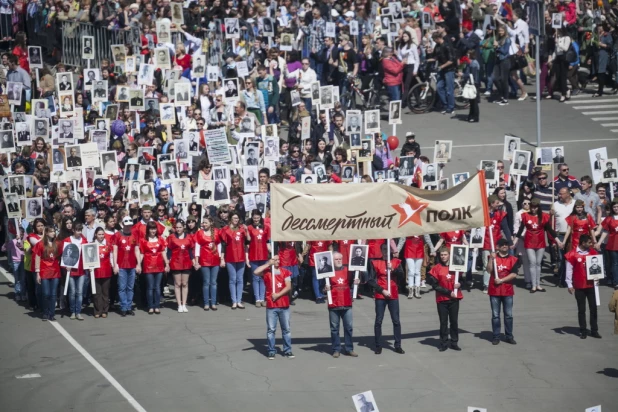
[[599, 106], [88, 357], [585, 95], [28, 376], [603, 119], [592, 101], [544, 143], [602, 112], [609, 124], [614, 131]]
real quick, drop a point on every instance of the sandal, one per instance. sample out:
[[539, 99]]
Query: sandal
[[213, 307], [104, 315], [157, 312], [96, 316], [151, 311]]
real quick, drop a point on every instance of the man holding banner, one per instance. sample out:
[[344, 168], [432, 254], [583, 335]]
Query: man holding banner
[[497, 222]]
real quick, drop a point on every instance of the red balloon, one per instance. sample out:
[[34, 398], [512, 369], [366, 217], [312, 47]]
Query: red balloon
[[393, 142]]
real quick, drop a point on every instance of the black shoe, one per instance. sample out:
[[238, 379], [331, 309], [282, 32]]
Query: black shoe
[[443, 348], [52, 318], [511, 341], [454, 346], [123, 313], [292, 303], [289, 355], [595, 335], [131, 312], [400, 351], [377, 351], [583, 335], [495, 342]]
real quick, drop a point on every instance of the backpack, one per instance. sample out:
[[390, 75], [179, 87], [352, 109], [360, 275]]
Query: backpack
[[571, 54]]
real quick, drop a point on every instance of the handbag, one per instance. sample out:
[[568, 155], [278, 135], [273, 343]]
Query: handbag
[[518, 61], [469, 90], [530, 69]]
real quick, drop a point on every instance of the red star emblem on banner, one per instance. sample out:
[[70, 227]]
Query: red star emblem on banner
[[410, 211]]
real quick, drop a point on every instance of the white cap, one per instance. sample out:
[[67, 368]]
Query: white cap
[[349, 14], [127, 221], [334, 13]]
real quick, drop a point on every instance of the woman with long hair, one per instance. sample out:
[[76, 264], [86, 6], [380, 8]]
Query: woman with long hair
[[502, 44], [152, 260], [408, 54], [77, 276], [536, 223], [207, 260], [181, 244], [103, 274], [559, 64], [579, 223], [321, 154], [233, 239], [34, 290], [610, 231], [520, 249], [258, 254], [47, 269], [606, 41], [21, 50], [525, 194], [254, 99], [65, 228]]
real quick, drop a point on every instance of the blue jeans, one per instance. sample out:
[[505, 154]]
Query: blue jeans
[[614, 272], [209, 284], [49, 288], [283, 315], [507, 303], [76, 289], [318, 284], [307, 103], [153, 290], [126, 282], [20, 280], [446, 89], [313, 63], [86, 289], [393, 309], [335, 315], [294, 271], [259, 289], [236, 271], [489, 74], [394, 92]]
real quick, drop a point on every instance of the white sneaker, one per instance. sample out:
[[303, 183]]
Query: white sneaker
[[180, 309], [487, 93], [423, 284], [184, 309], [166, 290]]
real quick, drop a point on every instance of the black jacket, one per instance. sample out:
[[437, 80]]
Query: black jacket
[[444, 53]]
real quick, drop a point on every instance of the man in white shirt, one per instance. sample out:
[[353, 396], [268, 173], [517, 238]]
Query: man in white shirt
[[307, 76], [520, 38], [561, 210]]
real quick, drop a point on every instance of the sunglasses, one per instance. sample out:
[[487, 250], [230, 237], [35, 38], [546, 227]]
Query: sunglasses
[[193, 210], [543, 178], [295, 151], [564, 170]]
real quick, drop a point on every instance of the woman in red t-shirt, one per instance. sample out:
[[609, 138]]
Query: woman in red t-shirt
[[75, 269], [579, 223], [21, 51], [47, 268], [102, 275], [234, 237], [207, 260], [257, 254], [181, 246], [181, 58], [152, 261], [34, 292], [610, 231]]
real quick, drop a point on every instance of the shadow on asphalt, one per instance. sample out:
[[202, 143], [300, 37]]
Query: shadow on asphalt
[[567, 330], [609, 372]]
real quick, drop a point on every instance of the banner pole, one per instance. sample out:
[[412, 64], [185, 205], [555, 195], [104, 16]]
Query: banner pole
[[355, 285], [388, 260], [329, 293], [92, 280], [456, 281], [493, 250], [272, 269], [596, 293]]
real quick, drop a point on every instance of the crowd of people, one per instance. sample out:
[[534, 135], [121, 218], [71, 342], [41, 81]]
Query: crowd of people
[[162, 158]]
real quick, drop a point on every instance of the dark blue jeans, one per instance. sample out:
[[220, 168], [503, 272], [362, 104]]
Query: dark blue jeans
[[614, 272], [153, 290], [49, 289], [446, 89], [236, 271], [335, 315], [507, 303], [259, 289], [126, 282], [209, 284], [393, 309], [76, 289]]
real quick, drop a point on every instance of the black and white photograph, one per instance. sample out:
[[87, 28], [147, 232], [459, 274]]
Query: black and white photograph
[[308, 179], [65, 135], [130, 64], [442, 151], [459, 258], [287, 41], [358, 258], [521, 163], [146, 195], [231, 89], [17, 186], [145, 75], [109, 163], [192, 140], [379, 175], [353, 121], [477, 237], [13, 205], [24, 137], [558, 154], [168, 113], [430, 174], [315, 93], [460, 178], [426, 21], [232, 28], [365, 152], [13, 92], [164, 34], [177, 13], [90, 76], [162, 58], [320, 172], [248, 201], [119, 53], [111, 111], [385, 21], [212, 73], [556, 21], [268, 29], [490, 167], [57, 158], [131, 171], [221, 173], [34, 207], [35, 57], [443, 184], [354, 28], [247, 126], [347, 173], [87, 47], [596, 158], [372, 121], [330, 30], [355, 141], [169, 170], [90, 256], [269, 130], [205, 191], [67, 104], [365, 402], [182, 93], [324, 267], [271, 149], [544, 156], [181, 190], [99, 91], [198, 66], [252, 152], [70, 255], [260, 202], [406, 166], [74, 158], [100, 138], [64, 82], [295, 98], [394, 112], [222, 192], [326, 97], [136, 99], [250, 177], [7, 141], [41, 128], [122, 94], [609, 170], [594, 267], [511, 143]]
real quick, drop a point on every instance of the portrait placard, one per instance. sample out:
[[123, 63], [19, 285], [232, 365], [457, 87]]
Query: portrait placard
[[90, 256], [595, 270], [324, 264], [459, 258], [358, 257]]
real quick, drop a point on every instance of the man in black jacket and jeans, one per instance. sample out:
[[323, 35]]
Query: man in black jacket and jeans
[[445, 56]]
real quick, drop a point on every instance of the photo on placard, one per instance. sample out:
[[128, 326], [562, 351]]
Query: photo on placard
[[406, 166], [353, 121], [511, 143], [544, 156], [252, 153], [355, 141], [41, 128], [267, 27], [477, 237], [347, 173], [393, 29], [221, 173], [212, 73], [396, 11], [132, 191], [119, 53], [426, 21], [13, 205], [66, 132], [443, 184], [74, 159], [250, 177], [87, 47], [315, 92], [100, 138], [308, 178], [385, 21], [57, 158], [181, 190], [111, 112], [162, 58], [556, 20], [247, 126], [372, 121], [558, 154], [379, 175], [181, 148], [99, 91], [608, 168], [295, 98], [489, 167], [131, 171], [231, 88], [109, 163], [232, 28], [595, 270], [169, 170], [64, 82], [17, 186], [177, 13], [122, 94], [14, 92], [430, 174], [365, 402], [330, 30], [596, 157], [145, 76], [7, 141], [394, 112], [35, 57], [222, 191], [271, 149], [91, 76], [198, 66], [90, 256], [67, 104], [136, 99], [130, 64], [324, 264], [358, 258], [459, 258], [163, 31], [248, 201], [34, 208], [146, 195], [354, 28], [521, 162], [182, 91], [206, 189], [365, 152], [326, 97], [320, 172], [70, 255], [260, 202], [460, 178], [287, 41], [24, 137], [442, 151], [269, 130]]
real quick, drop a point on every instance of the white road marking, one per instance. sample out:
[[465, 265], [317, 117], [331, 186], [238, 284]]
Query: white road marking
[[88, 357], [543, 143], [592, 101], [603, 119], [614, 131], [585, 95], [28, 376], [609, 124], [602, 112], [598, 106]]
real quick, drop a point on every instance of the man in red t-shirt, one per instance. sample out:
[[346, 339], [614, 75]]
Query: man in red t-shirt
[[277, 305], [125, 262], [501, 290]]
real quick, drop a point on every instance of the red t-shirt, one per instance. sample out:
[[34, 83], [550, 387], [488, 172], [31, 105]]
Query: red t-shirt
[[234, 244], [79, 271], [22, 56], [152, 260], [50, 265], [139, 230], [578, 261], [375, 248], [317, 246], [414, 248], [287, 254], [184, 61], [446, 279], [181, 256], [126, 250], [258, 246], [109, 237], [32, 239], [535, 232], [610, 225], [452, 238], [105, 259], [382, 278], [579, 227], [280, 278], [506, 266], [344, 248], [208, 255], [496, 221], [340, 289]]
